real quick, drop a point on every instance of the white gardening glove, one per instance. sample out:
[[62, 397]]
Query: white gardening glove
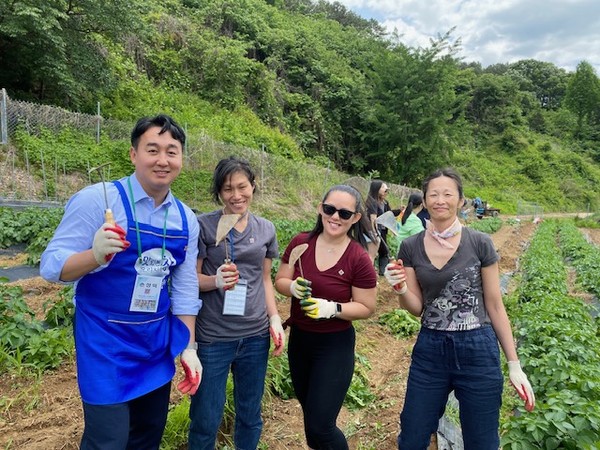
[[521, 384], [318, 308], [277, 333], [300, 288], [108, 240], [395, 275], [193, 372], [227, 276]]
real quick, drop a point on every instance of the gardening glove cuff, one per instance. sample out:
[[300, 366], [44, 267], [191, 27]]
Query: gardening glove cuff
[[521, 384]]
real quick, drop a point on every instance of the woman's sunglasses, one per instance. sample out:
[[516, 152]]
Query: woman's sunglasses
[[330, 210]]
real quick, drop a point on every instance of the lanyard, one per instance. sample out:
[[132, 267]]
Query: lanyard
[[231, 247], [137, 227], [230, 237]]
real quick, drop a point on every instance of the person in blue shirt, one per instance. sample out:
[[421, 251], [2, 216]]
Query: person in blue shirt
[[130, 248]]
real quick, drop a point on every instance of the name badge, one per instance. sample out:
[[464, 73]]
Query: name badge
[[235, 299], [146, 294]]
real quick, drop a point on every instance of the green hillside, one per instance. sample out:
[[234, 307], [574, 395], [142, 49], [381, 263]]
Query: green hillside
[[323, 92]]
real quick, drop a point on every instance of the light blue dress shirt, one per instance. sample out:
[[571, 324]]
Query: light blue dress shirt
[[84, 215]]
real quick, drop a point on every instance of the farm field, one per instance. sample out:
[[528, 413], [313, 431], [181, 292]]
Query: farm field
[[48, 416]]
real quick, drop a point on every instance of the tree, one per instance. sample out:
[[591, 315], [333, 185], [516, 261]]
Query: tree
[[544, 79], [495, 103], [417, 119], [583, 95], [54, 48]]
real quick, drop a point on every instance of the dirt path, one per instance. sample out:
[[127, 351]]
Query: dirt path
[[47, 415]]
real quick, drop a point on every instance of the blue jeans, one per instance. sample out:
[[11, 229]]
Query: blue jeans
[[466, 362], [247, 359]]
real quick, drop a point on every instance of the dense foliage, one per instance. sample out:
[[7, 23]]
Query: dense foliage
[[310, 77]]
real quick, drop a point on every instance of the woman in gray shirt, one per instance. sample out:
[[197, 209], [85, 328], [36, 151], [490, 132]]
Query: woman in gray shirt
[[238, 311], [448, 275]]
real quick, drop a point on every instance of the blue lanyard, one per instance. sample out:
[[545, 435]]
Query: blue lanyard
[[137, 226], [231, 247]]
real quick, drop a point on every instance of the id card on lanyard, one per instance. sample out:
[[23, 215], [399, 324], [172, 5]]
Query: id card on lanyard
[[235, 299], [146, 294]]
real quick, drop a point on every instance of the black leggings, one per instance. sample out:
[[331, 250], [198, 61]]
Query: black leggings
[[321, 366]]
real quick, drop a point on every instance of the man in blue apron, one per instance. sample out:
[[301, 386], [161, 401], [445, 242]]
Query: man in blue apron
[[130, 248]]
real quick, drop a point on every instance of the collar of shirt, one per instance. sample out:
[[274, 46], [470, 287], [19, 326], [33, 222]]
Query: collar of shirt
[[140, 195]]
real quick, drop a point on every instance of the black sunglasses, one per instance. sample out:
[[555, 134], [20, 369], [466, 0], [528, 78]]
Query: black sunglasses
[[330, 210]]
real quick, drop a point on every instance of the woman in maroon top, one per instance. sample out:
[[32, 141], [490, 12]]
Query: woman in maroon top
[[342, 288]]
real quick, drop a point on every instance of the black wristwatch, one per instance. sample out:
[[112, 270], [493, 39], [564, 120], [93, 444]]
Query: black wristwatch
[[338, 308]]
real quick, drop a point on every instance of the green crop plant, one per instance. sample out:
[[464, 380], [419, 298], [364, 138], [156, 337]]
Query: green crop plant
[[26, 342], [558, 344], [400, 323]]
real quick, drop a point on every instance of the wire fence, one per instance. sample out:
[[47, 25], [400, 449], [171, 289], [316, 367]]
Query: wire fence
[[21, 181], [526, 210]]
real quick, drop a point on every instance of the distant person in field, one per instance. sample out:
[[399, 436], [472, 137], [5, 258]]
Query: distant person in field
[[376, 205], [136, 291], [423, 215], [332, 284], [239, 315], [448, 275], [409, 223]]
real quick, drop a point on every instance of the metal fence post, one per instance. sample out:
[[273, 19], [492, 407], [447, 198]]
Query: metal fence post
[[3, 120], [98, 125]]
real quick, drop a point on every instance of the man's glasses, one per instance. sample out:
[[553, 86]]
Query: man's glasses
[[330, 210]]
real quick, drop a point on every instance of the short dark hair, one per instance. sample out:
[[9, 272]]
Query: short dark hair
[[358, 231], [447, 172], [166, 124], [224, 169]]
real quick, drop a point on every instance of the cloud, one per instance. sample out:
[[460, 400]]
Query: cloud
[[563, 32]]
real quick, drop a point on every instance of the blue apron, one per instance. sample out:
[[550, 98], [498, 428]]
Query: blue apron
[[122, 355]]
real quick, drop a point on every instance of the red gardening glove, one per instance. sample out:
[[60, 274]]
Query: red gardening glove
[[277, 333], [396, 276], [108, 240], [193, 372], [227, 276], [521, 384]]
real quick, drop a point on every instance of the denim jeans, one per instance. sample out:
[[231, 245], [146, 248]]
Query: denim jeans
[[247, 359], [466, 362]]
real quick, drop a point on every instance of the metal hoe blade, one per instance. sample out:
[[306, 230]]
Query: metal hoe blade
[[108, 215], [226, 223], [295, 255], [224, 226], [388, 220], [100, 170]]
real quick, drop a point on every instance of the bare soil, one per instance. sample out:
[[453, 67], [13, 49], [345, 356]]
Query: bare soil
[[46, 414]]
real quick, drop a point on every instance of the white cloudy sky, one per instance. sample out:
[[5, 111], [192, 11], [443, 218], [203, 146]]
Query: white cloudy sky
[[563, 32]]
